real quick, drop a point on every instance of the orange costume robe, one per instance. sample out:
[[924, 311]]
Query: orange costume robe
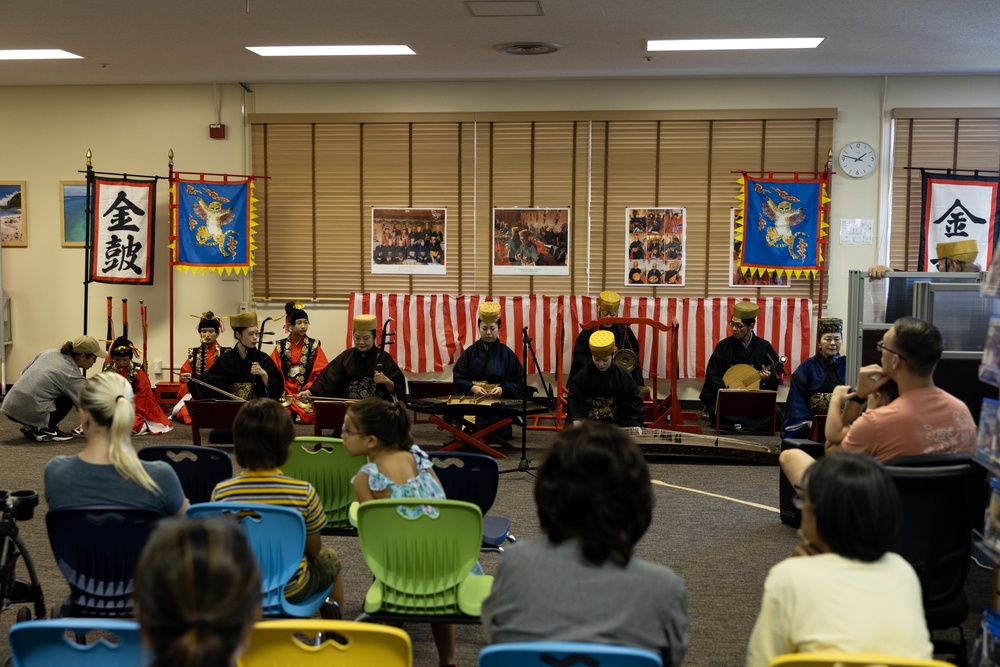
[[148, 413], [300, 364], [193, 365]]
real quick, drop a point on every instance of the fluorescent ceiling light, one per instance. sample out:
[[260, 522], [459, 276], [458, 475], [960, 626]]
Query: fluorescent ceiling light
[[36, 54], [342, 50], [733, 44]]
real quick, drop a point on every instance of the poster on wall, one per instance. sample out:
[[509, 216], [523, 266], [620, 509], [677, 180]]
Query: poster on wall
[[13, 216], [655, 241], [737, 276], [531, 241], [409, 240]]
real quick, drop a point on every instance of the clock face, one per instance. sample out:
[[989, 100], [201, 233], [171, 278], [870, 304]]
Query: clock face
[[857, 159]]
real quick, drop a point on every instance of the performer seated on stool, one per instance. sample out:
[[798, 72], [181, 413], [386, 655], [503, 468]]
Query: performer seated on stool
[[604, 390], [814, 380], [743, 347], [488, 367], [355, 372], [149, 416], [199, 360], [244, 371], [301, 360], [608, 303]]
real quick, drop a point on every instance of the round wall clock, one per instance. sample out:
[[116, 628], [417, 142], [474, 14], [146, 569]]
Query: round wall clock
[[857, 159]]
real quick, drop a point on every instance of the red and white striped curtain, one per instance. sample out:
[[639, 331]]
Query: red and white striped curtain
[[433, 329]]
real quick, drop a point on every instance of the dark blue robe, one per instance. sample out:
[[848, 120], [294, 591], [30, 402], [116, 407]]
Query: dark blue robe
[[817, 374]]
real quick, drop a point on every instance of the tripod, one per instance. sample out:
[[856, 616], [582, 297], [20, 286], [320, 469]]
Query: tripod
[[524, 465]]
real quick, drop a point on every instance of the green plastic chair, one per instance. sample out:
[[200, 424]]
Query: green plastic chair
[[324, 463], [423, 566]]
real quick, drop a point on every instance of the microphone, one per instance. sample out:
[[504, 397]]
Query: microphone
[[525, 330]]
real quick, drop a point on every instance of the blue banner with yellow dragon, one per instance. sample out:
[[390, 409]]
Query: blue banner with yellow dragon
[[784, 223], [213, 225]]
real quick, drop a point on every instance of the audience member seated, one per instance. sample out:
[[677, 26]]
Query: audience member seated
[[396, 468], [262, 433], [108, 471], [197, 593], [582, 582], [813, 381], [923, 420], [845, 591], [794, 462]]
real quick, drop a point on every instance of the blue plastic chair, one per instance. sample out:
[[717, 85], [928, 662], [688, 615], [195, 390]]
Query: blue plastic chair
[[96, 549], [474, 478], [45, 644], [566, 654], [277, 536], [198, 468]]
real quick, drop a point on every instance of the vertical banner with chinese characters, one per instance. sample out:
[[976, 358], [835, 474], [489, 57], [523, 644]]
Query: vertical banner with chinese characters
[[122, 250], [958, 207], [784, 222], [214, 225]]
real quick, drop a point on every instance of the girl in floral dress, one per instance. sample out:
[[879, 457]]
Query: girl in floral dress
[[396, 468]]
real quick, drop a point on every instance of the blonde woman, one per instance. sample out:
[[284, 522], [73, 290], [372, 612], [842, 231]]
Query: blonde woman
[[107, 471]]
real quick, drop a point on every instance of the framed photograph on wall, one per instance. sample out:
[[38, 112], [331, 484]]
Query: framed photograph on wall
[[655, 246], [409, 240], [530, 241], [13, 215], [74, 213]]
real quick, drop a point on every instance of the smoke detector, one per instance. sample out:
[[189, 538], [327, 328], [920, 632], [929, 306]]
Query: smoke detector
[[528, 48]]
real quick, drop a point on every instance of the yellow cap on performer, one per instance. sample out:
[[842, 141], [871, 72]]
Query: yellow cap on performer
[[960, 251], [364, 322], [609, 301], [602, 344], [243, 320], [489, 312], [745, 310], [524, 233]]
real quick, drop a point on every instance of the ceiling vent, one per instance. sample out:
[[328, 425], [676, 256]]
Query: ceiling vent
[[528, 48]]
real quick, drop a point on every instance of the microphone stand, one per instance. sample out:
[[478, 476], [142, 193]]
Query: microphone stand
[[524, 465]]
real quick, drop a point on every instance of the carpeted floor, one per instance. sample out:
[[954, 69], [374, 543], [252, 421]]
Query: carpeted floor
[[722, 548]]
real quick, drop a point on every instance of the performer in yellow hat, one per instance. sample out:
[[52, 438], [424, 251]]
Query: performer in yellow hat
[[608, 303], [361, 371], [301, 360], [743, 347], [952, 257], [603, 390], [243, 371]]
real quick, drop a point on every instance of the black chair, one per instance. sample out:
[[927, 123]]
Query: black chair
[[97, 549], [790, 514], [199, 469], [475, 479], [936, 539]]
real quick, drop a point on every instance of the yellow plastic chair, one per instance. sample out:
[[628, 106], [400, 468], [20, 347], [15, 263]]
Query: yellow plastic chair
[[329, 469], [422, 565], [355, 645], [852, 660]]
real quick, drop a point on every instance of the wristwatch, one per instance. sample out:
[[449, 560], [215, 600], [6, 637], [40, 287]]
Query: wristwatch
[[857, 399]]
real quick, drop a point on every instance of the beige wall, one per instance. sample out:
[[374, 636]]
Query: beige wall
[[47, 131]]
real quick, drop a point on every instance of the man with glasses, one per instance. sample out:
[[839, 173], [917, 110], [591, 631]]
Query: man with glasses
[[243, 371], [360, 371], [743, 347], [924, 419]]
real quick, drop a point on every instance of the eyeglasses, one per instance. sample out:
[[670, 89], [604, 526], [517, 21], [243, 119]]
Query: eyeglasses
[[738, 325], [346, 432], [880, 346]]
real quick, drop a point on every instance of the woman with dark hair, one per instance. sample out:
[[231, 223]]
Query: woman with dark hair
[[197, 593], [595, 501], [848, 593]]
